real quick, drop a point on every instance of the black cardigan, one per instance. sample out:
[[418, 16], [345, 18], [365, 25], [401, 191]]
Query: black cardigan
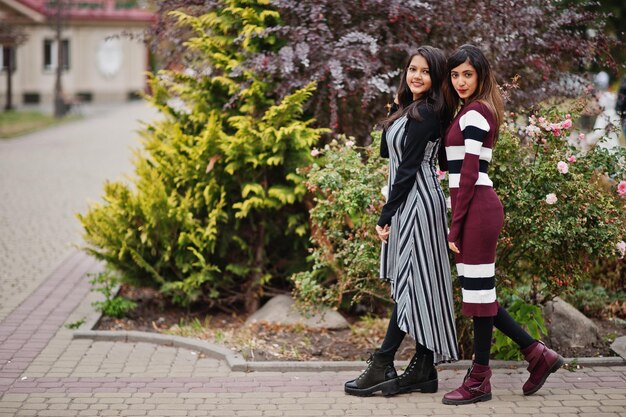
[[417, 134]]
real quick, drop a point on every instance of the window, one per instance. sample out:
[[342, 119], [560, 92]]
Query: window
[[7, 54], [31, 98], [50, 52]]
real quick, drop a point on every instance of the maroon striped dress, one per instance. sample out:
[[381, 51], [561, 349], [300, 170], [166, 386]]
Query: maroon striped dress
[[477, 214]]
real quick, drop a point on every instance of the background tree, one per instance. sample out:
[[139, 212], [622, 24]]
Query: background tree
[[353, 49], [11, 36], [614, 13]]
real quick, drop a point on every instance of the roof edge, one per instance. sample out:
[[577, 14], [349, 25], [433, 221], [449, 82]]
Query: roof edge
[[26, 10]]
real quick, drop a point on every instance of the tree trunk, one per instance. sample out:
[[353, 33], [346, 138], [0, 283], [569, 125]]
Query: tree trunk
[[59, 103], [252, 302], [9, 102]]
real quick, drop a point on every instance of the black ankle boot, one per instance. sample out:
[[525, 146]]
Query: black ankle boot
[[380, 375], [419, 375]]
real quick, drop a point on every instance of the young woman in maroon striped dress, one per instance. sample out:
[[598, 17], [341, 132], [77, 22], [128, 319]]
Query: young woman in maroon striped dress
[[477, 217]]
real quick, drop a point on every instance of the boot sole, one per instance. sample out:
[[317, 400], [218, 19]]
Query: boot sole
[[484, 397], [555, 367], [424, 387], [387, 388]]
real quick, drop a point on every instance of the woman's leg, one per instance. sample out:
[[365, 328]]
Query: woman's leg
[[476, 385], [420, 374], [542, 361], [380, 374], [507, 325], [483, 332], [394, 337]]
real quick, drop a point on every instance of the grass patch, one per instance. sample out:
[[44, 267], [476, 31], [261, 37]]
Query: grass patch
[[16, 123]]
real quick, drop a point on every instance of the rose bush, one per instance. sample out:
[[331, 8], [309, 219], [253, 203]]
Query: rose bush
[[561, 219]]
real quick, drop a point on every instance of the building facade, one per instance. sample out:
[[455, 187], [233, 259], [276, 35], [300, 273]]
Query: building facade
[[101, 61]]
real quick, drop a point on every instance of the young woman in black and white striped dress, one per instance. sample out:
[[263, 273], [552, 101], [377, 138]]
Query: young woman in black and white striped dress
[[413, 229]]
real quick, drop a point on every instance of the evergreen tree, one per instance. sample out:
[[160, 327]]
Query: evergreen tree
[[217, 189]]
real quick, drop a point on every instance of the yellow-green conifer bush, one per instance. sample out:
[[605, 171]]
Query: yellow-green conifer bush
[[214, 212]]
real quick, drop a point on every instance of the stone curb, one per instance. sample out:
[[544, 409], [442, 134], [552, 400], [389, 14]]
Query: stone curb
[[234, 361], [237, 363]]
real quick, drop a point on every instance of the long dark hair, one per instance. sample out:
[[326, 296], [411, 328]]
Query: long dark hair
[[487, 91], [436, 60]]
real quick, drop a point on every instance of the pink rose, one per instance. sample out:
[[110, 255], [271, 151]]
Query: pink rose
[[555, 128], [551, 198], [581, 136], [315, 152], [566, 124], [568, 116], [571, 159], [533, 131], [621, 188], [621, 247], [562, 167], [441, 174]]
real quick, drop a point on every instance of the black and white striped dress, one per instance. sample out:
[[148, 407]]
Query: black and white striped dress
[[415, 257]]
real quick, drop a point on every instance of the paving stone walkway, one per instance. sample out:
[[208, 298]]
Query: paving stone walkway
[[45, 372]]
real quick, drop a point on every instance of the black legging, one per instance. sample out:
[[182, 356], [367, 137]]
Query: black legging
[[483, 332], [395, 336]]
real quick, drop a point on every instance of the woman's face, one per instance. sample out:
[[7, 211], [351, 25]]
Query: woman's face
[[418, 76], [464, 80]]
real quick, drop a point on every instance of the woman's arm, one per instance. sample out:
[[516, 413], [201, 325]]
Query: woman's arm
[[417, 136], [475, 127]]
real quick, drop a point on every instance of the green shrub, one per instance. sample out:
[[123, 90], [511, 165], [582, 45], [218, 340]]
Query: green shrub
[[113, 305], [215, 210], [346, 183], [589, 299], [593, 300], [528, 316]]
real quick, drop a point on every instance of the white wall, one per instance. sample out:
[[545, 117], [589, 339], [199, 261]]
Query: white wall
[[84, 74]]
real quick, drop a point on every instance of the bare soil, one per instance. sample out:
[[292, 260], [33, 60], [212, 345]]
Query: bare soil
[[265, 342]]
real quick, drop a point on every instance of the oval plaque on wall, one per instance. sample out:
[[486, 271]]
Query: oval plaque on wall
[[109, 57]]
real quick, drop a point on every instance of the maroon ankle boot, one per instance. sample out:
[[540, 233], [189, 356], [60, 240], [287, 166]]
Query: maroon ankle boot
[[541, 363], [475, 387]]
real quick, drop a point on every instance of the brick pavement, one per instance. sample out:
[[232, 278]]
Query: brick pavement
[[46, 178], [45, 372]]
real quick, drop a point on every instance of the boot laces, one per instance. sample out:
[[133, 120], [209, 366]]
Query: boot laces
[[408, 368], [369, 362]]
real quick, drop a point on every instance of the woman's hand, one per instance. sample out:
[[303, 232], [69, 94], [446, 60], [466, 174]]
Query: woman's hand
[[383, 232], [453, 247]]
